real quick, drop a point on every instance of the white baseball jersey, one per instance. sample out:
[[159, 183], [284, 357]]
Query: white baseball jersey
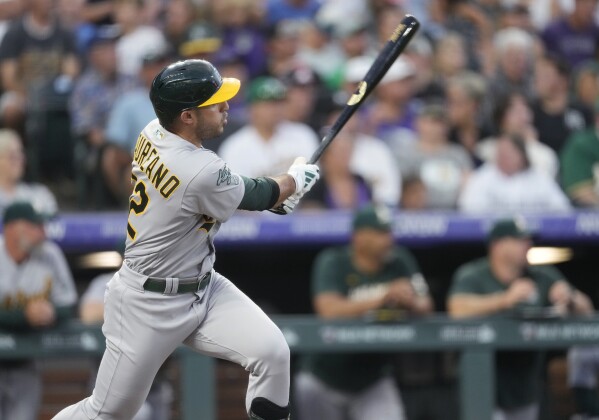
[[181, 196], [44, 275]]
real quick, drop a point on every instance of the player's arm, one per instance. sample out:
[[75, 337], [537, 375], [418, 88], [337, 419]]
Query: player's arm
[[335, 305], [270, 192], [266, 192]]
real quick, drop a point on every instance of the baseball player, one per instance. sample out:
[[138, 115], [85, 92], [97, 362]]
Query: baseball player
[[36, 291], [166, 292]]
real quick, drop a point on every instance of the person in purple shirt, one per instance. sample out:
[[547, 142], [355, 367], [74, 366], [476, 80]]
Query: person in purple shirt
[[575, 36], [278, 10]]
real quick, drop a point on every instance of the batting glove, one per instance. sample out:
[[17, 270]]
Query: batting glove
[[288, 205], [304, 174]]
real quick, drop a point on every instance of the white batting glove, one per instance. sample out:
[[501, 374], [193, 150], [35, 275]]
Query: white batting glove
[[304, 174]]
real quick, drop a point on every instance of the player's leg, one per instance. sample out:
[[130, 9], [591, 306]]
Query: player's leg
[[314, 400], [379, 401], [25, 389], [236, 329], [137, 343]]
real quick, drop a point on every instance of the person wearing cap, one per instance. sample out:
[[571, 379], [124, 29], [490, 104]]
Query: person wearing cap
[[268, 141], [37, 291], [366, 276], [94, 95], [504, 283], [12, 185], [442, 166], [579, 162]]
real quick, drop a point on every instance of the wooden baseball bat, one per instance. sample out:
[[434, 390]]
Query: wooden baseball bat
[[391, 50]]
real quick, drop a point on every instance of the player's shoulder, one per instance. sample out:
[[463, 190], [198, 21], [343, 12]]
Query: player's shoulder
[[472, 269], [334, 255]]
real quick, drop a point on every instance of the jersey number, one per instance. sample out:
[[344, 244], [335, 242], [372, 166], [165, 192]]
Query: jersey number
[[137, 204]]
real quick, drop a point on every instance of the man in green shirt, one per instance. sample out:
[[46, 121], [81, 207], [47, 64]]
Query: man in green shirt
[[503, 283], [580, 165], [349, 282]]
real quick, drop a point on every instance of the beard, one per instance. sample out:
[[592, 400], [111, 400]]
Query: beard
[[208, 132]]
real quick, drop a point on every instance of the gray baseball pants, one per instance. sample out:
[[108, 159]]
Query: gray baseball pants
[[143, 328]]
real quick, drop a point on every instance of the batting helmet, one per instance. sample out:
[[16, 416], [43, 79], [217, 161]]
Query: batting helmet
[[189, 84]]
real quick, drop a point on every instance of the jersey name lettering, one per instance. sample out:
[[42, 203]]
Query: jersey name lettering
[[156, 170]]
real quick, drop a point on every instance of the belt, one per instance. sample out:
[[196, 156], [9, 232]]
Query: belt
[[174, 285]]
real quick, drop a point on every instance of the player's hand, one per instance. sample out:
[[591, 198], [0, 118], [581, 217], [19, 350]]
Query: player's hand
[[400, 293], [560, 294], [304, 174], [40, 313], [521, 290], [288, 205]]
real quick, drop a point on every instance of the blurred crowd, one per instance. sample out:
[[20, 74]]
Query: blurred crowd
[[492, 107]]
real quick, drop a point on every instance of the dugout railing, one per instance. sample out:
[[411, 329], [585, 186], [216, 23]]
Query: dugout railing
[[476, 340]]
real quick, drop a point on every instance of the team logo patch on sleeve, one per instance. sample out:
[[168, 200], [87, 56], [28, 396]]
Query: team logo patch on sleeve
[[226, 177]]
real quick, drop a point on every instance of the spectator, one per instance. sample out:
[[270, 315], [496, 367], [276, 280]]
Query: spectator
[[307, 99], [574, 37], [583, 362], [514, 51], [94, 96], [242, 32], [504, 283], [128, 116], [555, 115], [393, 108], [179, 18], [509, 184], [35, 53], [512, 116], [413, 194], [516, 15], [465, 99], [355, 386], [450, 58], [426, 86], [279, 10], [355, 169], [37, 292], [580, 166], [12, 187], [137, 39], [201, 41], [586, 84], [283, 42], [443, 167], [322, 53], [269, 142]]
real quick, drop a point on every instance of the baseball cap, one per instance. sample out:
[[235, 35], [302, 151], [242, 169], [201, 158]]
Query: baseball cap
[[508, 228], [266, 88], [22, 210], [200, 39], [433, 110], [373, 217], [301, 76], [357, 67]]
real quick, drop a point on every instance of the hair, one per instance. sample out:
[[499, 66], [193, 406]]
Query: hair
[[562, 66], [502, 105], [520, 144], [7, 136], [470, 82], [513, 38]]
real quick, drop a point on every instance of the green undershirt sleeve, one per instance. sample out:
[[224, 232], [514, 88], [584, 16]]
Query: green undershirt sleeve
[[260, 194]]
